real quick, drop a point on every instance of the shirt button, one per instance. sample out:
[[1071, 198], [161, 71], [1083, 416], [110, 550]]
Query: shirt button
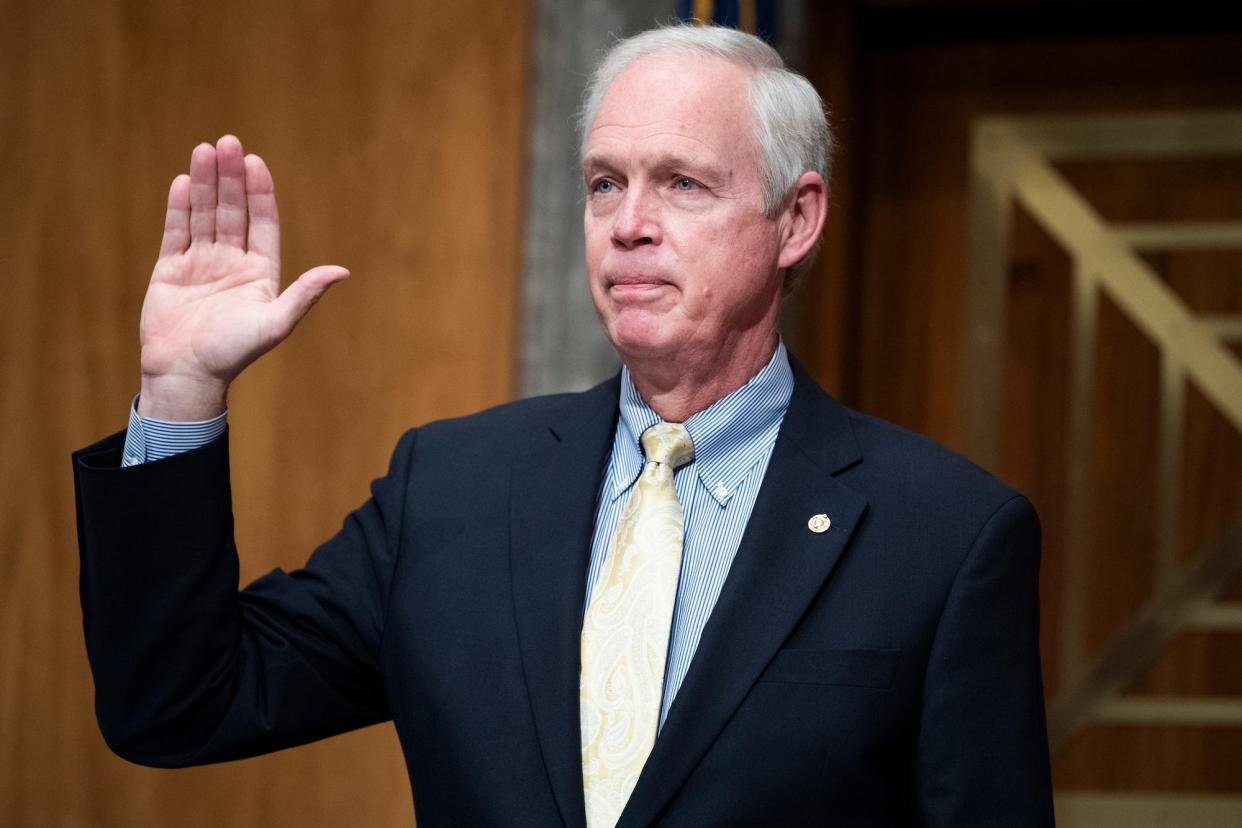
[[721, 491], [130, 460]]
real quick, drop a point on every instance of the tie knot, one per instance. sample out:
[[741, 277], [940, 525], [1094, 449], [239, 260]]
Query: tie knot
[[668, 443]]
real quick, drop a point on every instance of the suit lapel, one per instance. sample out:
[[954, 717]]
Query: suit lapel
[[552, 506], [780, 567]]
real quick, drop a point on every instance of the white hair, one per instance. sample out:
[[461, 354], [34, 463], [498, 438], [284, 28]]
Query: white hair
[[791, 128]]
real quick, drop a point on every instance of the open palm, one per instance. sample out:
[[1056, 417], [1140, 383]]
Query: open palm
[[214, 303]]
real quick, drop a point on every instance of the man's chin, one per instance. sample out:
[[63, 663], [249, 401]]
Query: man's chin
[[641, 339]]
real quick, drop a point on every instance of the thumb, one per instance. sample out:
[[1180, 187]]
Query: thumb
[[300, 296]]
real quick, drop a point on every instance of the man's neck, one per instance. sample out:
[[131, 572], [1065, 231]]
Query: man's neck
[[676, 388]]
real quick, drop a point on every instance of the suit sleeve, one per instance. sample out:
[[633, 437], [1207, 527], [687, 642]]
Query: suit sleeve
[[187, 669], [982, 753]]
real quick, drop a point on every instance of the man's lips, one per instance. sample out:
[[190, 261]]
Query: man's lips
[[637, 292], [636, 285]]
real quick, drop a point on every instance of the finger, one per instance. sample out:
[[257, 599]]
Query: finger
[[203, 194], [301, 296], [264, 236], [177, 219], [231, 191]]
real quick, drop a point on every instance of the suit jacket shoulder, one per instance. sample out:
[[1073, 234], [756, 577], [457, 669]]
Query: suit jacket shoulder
[[502, 432]]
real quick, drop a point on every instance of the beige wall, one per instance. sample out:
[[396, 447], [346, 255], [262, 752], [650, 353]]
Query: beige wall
[[394, 130]]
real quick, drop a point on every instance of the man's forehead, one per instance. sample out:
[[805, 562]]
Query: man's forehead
[[671, 104], [677, 87]]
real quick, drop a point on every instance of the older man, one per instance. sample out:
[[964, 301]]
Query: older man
[[702, 593]]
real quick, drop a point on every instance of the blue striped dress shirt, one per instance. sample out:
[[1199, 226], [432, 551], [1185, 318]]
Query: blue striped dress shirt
[[148, 439], [733, 440]]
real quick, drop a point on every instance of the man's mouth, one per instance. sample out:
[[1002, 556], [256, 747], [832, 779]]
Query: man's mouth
[[638, 292], [636, 283]]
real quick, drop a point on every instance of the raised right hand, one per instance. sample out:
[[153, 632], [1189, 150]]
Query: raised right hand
[[214, 304]]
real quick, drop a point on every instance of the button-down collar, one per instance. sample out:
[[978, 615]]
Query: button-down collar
[[730, 435]]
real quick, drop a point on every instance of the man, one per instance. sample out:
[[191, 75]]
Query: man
[[702, 593]]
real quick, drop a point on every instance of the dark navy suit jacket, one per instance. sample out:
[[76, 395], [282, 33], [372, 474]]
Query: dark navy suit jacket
[[883, 672]]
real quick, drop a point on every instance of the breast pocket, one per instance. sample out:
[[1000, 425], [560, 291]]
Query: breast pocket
[[843, 668]]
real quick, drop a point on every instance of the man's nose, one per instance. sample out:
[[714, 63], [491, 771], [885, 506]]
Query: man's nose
[[637, 220]]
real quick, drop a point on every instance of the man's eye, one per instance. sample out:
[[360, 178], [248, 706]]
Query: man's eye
[[685, 185], [604, 186]]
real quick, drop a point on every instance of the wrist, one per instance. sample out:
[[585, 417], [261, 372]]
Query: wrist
[[181, 399]]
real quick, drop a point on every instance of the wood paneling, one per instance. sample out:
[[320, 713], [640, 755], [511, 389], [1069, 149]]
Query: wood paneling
[[1159, 189], [1172, 759], [1235, 592], [1122, 468], [911, 111], [1035, 457], [1196, 664], [1209, 282], [820, 318], [395, 133], [1124, 512], [914, 97]]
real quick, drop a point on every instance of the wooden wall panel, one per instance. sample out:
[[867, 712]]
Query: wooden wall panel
[[1197, 664], [914, 98], [819, 320], [1211, 492], [1035, 457], [1159, 189], [912, 109], [1120, 553], [1148, 758], [394, 129], [1122, 471], [1209, 282]]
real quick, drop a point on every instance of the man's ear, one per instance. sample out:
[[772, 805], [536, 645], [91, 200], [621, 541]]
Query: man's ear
[[802, 219]]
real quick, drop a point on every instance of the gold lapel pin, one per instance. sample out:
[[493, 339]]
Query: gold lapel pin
[[819, 524]]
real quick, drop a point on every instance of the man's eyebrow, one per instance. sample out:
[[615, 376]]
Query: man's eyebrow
[[596, 162]]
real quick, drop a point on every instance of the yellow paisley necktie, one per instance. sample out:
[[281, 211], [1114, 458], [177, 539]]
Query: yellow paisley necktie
[[625, 633]]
